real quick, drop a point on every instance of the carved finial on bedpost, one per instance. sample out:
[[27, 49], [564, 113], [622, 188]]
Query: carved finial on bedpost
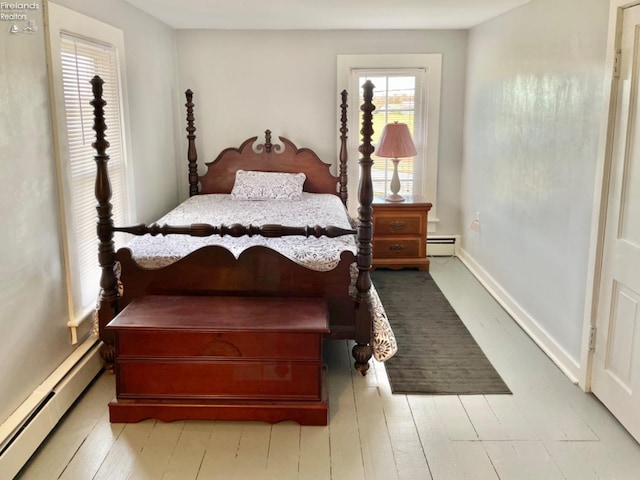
[[362, 350], [344, 155], [267, 141], [106, 248], [192, 155]]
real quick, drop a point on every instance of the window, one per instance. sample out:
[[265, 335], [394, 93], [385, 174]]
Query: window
[[397, 99], [407, 89], [77, 55]]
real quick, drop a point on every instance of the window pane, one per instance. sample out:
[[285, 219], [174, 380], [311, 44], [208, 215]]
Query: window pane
[[394, 98]]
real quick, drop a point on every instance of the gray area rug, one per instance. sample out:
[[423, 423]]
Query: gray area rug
[[436, 352]]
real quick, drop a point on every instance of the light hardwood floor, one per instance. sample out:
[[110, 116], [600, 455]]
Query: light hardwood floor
[[548, 429]]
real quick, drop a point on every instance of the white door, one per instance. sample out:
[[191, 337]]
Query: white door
[[616, 360]]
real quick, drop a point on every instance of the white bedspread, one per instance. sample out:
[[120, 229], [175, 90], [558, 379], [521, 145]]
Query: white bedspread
[[320, 254]]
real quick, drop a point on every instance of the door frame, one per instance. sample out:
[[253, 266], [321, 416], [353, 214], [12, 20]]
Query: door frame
[[601, 193]]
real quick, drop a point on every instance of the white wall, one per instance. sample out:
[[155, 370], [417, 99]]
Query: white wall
[[35, 338], [33, 312], [245, 82], [534, 101]]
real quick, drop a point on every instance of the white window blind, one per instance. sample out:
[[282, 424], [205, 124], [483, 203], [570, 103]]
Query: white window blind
[[81, 59]]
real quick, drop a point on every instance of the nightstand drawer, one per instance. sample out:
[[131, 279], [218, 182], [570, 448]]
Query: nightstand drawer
[[409, 223], [397, 248]]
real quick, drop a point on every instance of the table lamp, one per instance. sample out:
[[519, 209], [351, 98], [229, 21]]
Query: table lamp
[[395, 143]]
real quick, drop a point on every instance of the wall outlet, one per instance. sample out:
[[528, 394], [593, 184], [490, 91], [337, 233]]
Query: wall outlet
[[475, 225]]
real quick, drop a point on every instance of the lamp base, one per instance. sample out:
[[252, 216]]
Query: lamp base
[[395, 184], [394, 197]]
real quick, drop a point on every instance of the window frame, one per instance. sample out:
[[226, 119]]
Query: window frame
[[61, 20], [427, 144]]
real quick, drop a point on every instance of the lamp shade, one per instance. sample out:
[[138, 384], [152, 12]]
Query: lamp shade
[[396, 142]]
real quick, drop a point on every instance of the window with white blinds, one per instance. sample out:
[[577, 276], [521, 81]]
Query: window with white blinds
[[80, 47], [407, 90], [81, 60]]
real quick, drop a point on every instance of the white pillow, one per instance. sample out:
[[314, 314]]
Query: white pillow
[[250, 185]]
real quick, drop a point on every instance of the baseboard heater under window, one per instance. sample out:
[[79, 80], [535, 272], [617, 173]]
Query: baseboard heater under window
[[441, 246], [23, 432]]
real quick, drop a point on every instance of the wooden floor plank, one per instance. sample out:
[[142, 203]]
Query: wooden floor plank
[[570, 461], [124, 451], [454, 419], [539, 416], [253, 451], [606, 463], [187, 456], [377, 453], [153, 460], [442, 458], [474, 460], [284, 451], [516, 426], [484, 420], [221, 451], [410, 459], [526, 460], [315, 457], [344, 434], [539, 462], [97, 446], [345, 446]]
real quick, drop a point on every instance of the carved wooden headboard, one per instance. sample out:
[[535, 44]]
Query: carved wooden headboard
[[267, 157]]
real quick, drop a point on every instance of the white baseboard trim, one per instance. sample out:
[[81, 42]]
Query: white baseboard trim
[[23, 432], [548, 345]]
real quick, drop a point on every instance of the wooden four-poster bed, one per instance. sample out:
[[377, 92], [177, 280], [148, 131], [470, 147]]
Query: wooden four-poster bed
[[255, 270]]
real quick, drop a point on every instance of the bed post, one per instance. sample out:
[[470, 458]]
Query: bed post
[[344, 155], [192, 155], [106, 249], [362, 349]]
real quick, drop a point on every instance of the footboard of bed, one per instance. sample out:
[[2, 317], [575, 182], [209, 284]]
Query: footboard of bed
[[258, 272]]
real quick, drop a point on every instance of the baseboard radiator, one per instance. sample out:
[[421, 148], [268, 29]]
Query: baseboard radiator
[[442, 246], [23, 432]]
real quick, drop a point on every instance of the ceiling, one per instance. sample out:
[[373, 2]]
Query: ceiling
[[324, 14]]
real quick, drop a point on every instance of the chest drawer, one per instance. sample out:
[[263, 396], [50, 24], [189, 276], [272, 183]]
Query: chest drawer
[[260, 345], [409, 223], [164, 379]]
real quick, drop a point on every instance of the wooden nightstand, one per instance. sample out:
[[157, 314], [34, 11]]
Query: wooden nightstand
[[400, 233]]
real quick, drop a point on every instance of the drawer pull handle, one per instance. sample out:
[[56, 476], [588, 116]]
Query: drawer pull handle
[[397, 225], [396, 247]]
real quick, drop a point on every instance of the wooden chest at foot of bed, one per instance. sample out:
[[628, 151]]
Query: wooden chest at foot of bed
[[224, 358]]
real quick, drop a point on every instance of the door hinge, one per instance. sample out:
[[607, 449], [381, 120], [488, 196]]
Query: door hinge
[[616, 63], [592, 339]]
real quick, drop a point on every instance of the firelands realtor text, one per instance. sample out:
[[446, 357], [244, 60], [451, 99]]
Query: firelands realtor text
[[12, 7], [19, 6]]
